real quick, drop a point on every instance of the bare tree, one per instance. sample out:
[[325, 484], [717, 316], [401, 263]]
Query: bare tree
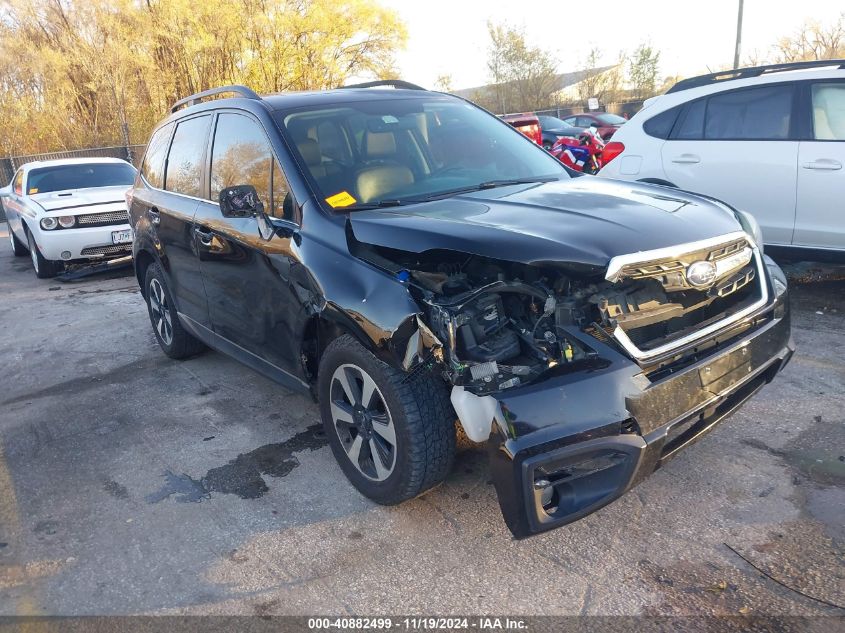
[[444, 83], [524, 77], [604, 86], [813, 41]]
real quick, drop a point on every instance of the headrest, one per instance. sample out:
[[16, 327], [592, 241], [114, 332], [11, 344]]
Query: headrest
[[310, 151], [380, 144]]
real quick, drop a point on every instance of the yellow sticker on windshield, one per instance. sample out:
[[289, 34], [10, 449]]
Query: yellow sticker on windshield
[[342, 199], [33, 190]]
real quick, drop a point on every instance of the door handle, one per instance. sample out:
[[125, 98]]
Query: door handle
[[823, 163], [687, 159], [204, 236], [155, 216]]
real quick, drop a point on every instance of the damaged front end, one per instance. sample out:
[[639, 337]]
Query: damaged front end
[[583, 380]]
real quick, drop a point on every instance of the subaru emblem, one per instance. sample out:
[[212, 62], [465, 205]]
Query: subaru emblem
[[701, 274]]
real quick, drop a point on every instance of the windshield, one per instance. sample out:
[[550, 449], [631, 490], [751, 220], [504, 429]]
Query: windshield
[[384, 152], [553, 123], [80, 176], [610, 119]]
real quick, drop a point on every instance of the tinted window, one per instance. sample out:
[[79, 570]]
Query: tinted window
[[553, 123], [184, 163], [661, 124], [242, 155], [583, 121], [152, 169], [829, 111], [80, 176], [754, 114], [570, 120], [691, 125], [610, 119]]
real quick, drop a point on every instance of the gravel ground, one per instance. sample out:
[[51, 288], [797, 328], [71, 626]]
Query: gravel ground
[[130, 483]]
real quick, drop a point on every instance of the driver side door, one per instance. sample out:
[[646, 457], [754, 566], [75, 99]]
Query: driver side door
[[246, 269]]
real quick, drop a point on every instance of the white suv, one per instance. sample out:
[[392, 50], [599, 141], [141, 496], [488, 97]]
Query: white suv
[[768, 140]]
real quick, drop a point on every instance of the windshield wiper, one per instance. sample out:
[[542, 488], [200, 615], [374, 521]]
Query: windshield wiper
[[489, 184], [381, 204]]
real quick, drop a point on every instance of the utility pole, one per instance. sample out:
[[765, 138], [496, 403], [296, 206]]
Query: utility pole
[[738, 35]]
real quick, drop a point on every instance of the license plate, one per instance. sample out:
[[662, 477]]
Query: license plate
[[121, 237]]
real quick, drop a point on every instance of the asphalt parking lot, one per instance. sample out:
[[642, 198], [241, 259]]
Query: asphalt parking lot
[[130, 483]]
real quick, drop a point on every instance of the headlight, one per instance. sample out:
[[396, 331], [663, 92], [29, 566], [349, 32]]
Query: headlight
[[752, 227], [67, 221], [49, 223]]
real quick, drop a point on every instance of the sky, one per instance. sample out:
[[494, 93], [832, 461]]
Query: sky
[[450, 36]]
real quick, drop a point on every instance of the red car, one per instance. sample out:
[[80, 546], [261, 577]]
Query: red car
[[528, 124], [607, 123]]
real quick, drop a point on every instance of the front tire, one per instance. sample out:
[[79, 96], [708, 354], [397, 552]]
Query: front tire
[[18, 247], [44, 268], [174, 340], [392, 434]]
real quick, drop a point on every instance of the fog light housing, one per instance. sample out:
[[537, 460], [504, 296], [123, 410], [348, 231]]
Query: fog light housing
[[65, 254], [67, 221], [49, 223]]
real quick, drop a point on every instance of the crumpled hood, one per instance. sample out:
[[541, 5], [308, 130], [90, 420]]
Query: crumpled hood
[[80, 198], [584, 220]]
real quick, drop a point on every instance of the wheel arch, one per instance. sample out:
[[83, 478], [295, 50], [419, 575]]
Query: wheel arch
[[658, 181], [331, 323], [143, 260]]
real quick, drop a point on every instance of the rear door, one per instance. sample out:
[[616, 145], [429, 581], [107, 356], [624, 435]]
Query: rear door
[[246, 269], [741, 146], [173, 177], [820, 220]]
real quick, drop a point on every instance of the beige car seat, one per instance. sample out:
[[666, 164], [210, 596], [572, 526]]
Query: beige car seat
[[383, 173]]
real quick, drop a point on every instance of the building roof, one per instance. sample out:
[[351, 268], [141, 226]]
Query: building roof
[[562, 81]]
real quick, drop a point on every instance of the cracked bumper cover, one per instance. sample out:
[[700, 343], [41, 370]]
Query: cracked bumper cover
[[575, 442]]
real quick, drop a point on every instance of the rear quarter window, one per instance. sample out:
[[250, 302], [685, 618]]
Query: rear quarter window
[[660, 125], [152, 169]]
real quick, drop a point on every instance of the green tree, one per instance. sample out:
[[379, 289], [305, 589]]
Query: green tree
[[643, 69]]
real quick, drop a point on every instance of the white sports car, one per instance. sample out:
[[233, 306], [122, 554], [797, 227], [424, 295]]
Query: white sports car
[[69, 210]]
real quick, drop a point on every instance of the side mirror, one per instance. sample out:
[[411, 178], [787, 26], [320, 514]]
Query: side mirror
[[6, 191], [240, 201]]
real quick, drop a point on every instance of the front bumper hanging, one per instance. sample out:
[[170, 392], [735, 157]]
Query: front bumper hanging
[[575, 442]]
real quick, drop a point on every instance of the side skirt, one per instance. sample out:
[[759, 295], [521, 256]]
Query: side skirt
[[225, 346]]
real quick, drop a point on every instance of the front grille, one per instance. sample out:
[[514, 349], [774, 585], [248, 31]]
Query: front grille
[[655, 312], [670, 270], [102, 251], [103, 219]]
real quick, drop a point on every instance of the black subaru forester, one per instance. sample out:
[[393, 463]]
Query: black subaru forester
[[411, 260]]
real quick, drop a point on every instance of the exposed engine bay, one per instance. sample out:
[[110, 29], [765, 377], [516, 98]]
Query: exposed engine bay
[[503, 324]]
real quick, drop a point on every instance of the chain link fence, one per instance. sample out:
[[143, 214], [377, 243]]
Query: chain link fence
[[10, 164]]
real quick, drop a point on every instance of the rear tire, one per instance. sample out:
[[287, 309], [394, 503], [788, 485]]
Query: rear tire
[[407, 423], [18, 247], [175, 341], [44, 268]]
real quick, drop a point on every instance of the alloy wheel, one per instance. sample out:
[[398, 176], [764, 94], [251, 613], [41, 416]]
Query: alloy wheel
[[362, 422], [162, 317]]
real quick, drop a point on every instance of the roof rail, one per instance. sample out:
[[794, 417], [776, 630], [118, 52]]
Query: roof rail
[[753, 71], [198, 97], [396, 83]]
